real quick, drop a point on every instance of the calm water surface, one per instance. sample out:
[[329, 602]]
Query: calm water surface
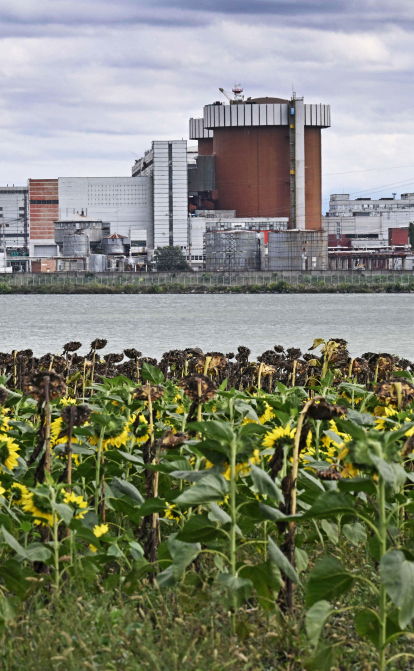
[[155, 324]]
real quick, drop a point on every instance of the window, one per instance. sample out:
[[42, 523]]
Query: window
[[44, 202]]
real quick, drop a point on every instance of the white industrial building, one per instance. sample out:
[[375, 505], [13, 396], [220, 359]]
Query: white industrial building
[[166, 165], [367, 220], [13, 218], [125, 202]]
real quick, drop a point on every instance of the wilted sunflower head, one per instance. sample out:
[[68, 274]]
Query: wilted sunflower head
[[34, 386], [396, 391], [113, 358], [4, 395], [78, 413], [324, 410], [198, 387], [98, 344], [243, 354], [218, 361], [230, 355], [171, 440], [132, 353], [293, 353], [72, 346], [155, 391]]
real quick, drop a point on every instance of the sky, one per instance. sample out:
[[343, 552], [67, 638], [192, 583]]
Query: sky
[[85, 86]]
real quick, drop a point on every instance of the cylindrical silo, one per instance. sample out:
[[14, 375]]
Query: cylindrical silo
[[97, 263], [114, 244], [232, 250], [297, 250], [75, 245]]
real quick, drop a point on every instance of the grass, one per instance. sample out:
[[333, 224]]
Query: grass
[[97, 630]]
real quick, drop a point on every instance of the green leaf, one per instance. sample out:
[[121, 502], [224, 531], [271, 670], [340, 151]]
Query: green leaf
[[322, 660], [315, 620], [217, 514], [64, 511], [239, 588], [9, 608], [137, 550], [166, 578], [133, 458], [37, 552], [34, 552], [14, 575], [13, 543], [152, 374], [327, 580], [334, 437], [361, 418], [357, 485], [330, 504], [277, 556], [220, 431], [355, 533], [211, 488], [301, 560], [271, 513], [368, 624], [199, 528], [152, 506], [121, 487], [266, 581], [331, 531], [264, 484], [397, 575], [182, 555]]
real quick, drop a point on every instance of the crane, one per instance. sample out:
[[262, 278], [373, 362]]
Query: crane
[[237, 92]]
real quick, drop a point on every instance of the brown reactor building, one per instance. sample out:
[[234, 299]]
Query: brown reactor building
[[267, 158]]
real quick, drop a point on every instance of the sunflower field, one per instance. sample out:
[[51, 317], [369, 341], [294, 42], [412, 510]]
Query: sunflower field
[[280, 490]]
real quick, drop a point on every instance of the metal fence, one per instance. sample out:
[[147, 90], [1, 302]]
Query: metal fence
[[216, 279]]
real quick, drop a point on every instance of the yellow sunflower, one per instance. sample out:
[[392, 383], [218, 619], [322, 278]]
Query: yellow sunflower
[[98, 531], [276, 434], [17, 493], [8, 452], [77, 502], [39, 507]]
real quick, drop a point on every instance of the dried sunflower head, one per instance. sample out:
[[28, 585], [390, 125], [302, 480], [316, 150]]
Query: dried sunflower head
[[171, 440], [147, 390], [324, 410], [193, 384], [230, 355], [80, 414], [293, 353], [72, 346], [98, 344], [279, 349], [243, 354], [28, 353], [34, 385], [132, 353], [113, 358], [388, 391]]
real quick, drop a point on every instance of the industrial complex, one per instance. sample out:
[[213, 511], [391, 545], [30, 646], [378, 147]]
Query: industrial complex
[[243, 193]]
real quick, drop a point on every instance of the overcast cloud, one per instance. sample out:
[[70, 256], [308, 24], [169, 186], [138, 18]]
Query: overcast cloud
[[86, 85]]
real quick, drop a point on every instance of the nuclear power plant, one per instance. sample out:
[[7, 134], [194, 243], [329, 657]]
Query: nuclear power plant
[[243, 193]]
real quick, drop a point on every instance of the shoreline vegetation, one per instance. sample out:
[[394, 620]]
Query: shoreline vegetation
[[276, 287]]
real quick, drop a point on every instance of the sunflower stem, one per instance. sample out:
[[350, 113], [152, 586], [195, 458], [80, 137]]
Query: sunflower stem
[[47, 420], [98, 469]]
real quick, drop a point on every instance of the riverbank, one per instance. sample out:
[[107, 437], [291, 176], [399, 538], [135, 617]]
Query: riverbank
[[280, 287]]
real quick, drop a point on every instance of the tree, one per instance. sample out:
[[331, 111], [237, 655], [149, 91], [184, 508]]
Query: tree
[[170, 258]]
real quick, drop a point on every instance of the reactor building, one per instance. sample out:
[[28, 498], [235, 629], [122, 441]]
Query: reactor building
[[267, 157]]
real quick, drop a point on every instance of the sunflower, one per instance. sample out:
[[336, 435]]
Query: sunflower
[[266, 416], [77, 502], [39, 506], [4, 420], [17, 493], [98, 531], [8, 452], [273, 436]]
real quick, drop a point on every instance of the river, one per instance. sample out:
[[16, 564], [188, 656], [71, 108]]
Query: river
[[155, 324]]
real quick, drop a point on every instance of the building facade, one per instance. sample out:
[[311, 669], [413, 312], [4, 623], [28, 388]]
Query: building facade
[[166, 165], [267, 154]]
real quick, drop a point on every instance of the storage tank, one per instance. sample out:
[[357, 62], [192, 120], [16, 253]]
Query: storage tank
[[297, 250], [232, 250], [114, 244], [97, 263], [75, 245]]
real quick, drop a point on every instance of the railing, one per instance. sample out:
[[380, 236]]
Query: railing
[[216, 279]]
